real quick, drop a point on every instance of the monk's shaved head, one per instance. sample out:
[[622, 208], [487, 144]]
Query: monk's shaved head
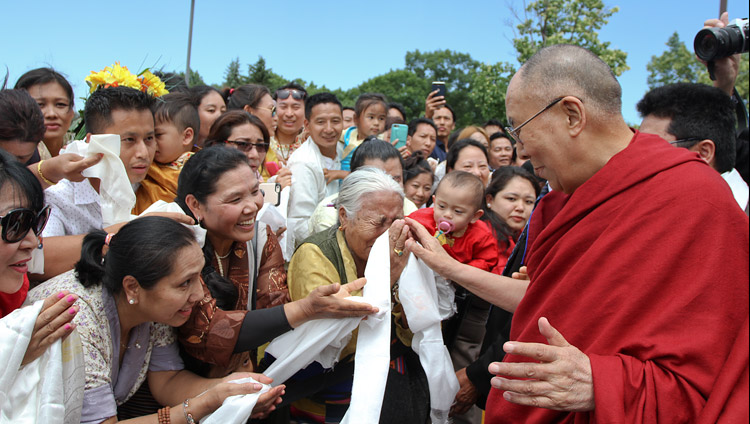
[[568, 70]]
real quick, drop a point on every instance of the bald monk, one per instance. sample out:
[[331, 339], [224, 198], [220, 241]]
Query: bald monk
[[637, 304]]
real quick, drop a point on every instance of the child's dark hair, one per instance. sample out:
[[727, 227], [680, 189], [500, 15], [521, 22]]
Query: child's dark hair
[[467, 182], [366, 100], [20, 117], [199, 177], [43, 76], [245, 95], [416, 165], [24, 184], [178, 109], [319, 99], [500, 178], [101, 103], [145, 248]]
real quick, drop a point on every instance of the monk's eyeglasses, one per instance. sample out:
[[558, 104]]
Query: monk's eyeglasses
[[690, 140], [514, 132]]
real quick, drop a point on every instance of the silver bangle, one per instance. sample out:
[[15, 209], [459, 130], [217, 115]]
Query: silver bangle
[[188, 416]]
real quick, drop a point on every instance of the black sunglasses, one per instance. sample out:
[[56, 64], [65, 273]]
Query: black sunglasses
[[246, 146], [296, 94], [17, 223]]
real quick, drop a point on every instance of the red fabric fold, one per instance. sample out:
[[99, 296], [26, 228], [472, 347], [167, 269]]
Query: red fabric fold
[[645, 269]]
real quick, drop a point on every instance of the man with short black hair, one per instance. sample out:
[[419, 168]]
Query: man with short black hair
[[321, 151], [290, 112], [493, 126], [701, 119], [444, 118], [396, 110], [348, 113], [422, 136]]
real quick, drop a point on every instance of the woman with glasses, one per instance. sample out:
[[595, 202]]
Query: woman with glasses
[[245, 132], [254, 99], [27, 333]]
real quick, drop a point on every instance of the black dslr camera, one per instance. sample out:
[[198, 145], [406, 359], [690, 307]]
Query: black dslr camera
[[715, 43]]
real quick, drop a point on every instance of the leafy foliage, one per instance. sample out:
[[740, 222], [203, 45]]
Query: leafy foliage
[[476, 91], [678, 64], [550, 22], [488, 89], [232, 76]]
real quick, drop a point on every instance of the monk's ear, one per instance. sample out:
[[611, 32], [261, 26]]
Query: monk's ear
[[575, 115], [707, 151]]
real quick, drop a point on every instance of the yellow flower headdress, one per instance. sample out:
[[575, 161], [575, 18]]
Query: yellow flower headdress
[[119, 76]]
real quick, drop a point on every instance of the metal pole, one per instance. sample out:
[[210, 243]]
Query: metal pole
[[190, 43], [722, 7]]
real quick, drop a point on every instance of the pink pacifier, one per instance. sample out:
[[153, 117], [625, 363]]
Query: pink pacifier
[[445, 227]]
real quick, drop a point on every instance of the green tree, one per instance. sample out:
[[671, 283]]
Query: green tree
[[456, 70], [400, 86], [488, 89], [257, 73], [232, 76], [676, 64], [195, 78], [550, 22]]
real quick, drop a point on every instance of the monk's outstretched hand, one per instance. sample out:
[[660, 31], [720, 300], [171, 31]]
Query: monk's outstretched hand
[[562, 380]]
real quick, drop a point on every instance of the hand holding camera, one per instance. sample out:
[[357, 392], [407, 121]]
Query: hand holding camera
[[719, 45]]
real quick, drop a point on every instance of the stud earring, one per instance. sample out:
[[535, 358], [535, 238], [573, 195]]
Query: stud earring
[[131, 301]]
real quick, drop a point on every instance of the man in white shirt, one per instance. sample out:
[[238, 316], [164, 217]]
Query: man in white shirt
[[700, 118], [324, 121]]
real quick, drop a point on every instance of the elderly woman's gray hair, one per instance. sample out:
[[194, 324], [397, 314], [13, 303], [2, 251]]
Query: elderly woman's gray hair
[[361, 182]]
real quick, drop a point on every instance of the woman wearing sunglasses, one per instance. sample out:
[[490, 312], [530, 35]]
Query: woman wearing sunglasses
[[22, 217], [245, 132], [254, 99], [290, 111]]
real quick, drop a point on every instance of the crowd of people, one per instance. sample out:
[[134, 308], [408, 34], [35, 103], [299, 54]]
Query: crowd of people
[[592, 272]]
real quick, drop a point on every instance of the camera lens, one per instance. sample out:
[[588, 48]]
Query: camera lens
[[715, 43]]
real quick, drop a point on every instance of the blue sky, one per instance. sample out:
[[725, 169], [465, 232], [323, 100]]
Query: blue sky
[[339, 44]]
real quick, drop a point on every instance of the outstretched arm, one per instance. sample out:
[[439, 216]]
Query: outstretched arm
[[501, 291]]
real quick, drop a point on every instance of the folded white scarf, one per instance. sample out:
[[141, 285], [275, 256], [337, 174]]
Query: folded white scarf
[[117, 195], [50, 388]]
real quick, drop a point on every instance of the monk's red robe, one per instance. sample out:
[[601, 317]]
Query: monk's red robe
[[645, 269]]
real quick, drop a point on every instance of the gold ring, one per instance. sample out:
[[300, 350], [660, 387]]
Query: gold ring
[[398, 251]]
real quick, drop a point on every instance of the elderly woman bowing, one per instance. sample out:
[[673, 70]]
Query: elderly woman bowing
[[370, 203]]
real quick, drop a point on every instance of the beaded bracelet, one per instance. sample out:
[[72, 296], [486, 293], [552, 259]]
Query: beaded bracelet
[[163, 415], [188, 416], [39, 171]]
